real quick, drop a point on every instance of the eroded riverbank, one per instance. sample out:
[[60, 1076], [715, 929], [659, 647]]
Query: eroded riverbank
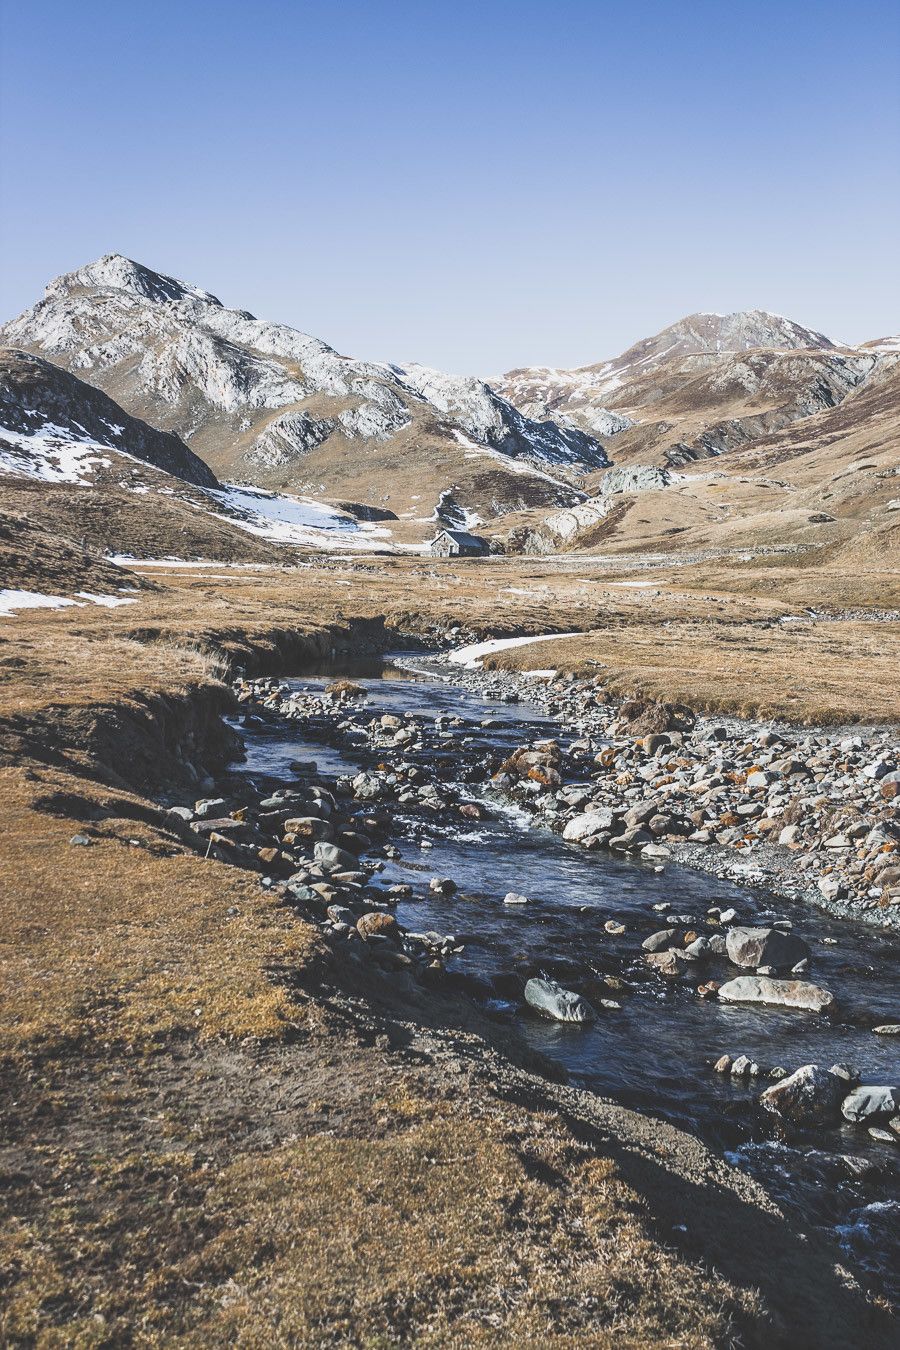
[[587, 915]]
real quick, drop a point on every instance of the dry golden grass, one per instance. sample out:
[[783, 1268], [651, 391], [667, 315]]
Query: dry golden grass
[[704, 637], [453, 1233], [445, 1231], [129, 940], [822, 673]]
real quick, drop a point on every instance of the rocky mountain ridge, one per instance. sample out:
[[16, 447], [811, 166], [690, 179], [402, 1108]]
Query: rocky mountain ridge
[[267, 404], [780, 408], [703, 386]]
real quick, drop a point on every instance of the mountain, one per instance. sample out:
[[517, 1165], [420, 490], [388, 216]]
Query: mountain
[[266, 404], [828, 482], [706, 385], [56, 427], [75, 467]]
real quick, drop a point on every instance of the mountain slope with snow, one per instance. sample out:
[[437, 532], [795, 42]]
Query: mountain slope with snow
[[72, 460], [270, 405], [703, 386], [56, 427]]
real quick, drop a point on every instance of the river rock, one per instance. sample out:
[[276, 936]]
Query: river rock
[[549, 998], [179, 815], [632, 839], [673, 964], [442, 885], [341, 914], [210, 806], [811, 1096], [781, 993], [378, 925], [869, 1103], [658, 942], [334, 858], [831, 887], [308, 827], [588, 823], [367, 788], [754, 947]]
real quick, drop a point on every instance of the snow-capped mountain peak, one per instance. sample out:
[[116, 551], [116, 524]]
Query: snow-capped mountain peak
[[117, 273], [738, 332]]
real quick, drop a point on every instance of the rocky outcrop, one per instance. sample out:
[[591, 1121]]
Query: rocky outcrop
[[493, 421], [566, 525]]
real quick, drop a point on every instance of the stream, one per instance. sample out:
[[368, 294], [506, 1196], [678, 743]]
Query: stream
[[654, 1051]]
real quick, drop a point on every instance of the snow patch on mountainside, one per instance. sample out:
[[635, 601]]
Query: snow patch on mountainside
[[295, 520], [11, 601], [51, 455]]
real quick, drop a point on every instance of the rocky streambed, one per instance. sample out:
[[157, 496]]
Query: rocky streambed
[[808, 813], [493, 836]]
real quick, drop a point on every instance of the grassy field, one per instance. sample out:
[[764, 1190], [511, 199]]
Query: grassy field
[[744, 644]]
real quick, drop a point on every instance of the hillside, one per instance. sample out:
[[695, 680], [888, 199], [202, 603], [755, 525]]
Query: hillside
[[708, 384], [80, 478], [735, 431], [265, 404], [57, 428]]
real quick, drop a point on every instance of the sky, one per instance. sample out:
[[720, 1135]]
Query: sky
[[476, 185]]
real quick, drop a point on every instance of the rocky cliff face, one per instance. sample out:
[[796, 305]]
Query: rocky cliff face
[[271, 405]]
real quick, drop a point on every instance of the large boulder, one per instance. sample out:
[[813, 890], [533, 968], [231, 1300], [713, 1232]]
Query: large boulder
[[870, 1103], [549, 998], [753, 947], [588, 824], [377, 924], [811, 1096], [335, 859], [779, 993], [661, 941]]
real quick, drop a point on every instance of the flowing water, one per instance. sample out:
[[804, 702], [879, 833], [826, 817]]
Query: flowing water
[[654, 1051]]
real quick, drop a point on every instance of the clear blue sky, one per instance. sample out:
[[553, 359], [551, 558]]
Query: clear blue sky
[[476, 184]]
